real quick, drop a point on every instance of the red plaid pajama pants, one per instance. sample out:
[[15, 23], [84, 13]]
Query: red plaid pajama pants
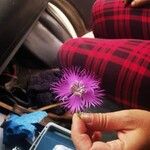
[[119, 57], [111, 19]]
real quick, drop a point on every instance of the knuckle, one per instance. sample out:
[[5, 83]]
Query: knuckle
[[102, 120], [129, 118]]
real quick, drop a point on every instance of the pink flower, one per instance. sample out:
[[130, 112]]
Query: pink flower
[[78, 90]]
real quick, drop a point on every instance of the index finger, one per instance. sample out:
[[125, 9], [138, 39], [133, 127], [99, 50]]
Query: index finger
[[80, 139]]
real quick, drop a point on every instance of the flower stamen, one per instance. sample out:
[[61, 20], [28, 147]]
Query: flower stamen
[[78, 88]]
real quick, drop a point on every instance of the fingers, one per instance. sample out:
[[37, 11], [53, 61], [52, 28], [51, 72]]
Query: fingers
[[96, 136], [137, 3], [100, 146], [110, 121], [139, 142], [78, 133], [113, 145], [128, 124]]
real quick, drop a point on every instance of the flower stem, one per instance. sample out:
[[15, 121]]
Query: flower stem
[[49, 107]]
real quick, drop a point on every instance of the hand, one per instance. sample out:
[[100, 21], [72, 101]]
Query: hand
[[139, 3], [132, 127]]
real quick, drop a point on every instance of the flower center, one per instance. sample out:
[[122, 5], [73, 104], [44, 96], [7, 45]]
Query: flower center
[[78, 88]]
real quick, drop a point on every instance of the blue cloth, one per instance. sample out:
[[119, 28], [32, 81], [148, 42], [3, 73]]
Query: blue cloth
[[21, 127]]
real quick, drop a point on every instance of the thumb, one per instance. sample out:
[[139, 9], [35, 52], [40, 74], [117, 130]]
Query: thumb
[[78, 134], [137, 3], [114, 121]]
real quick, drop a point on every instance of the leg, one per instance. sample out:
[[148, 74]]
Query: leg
[[111, 19], [123, 66]]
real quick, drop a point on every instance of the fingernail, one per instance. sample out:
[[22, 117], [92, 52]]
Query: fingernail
[[79, 114], [133, 3], [86, 117]]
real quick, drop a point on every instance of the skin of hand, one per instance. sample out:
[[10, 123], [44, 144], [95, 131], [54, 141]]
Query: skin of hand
[[132, 127], [139, 3]]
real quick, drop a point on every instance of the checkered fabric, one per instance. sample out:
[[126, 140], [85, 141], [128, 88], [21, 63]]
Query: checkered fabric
[[123, 66], [111, 19]]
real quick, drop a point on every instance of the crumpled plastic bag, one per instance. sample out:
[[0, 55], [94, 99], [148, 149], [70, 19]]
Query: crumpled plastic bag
[[18, 128]]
